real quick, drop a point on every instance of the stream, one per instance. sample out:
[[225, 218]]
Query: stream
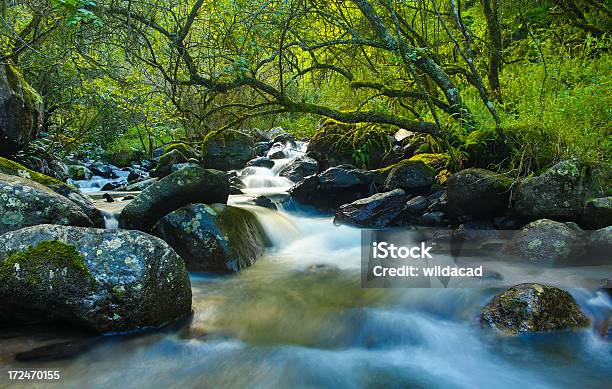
[[298, 318]]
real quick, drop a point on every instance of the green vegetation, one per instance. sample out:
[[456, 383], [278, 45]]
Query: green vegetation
[[37, 261], [513, 86]]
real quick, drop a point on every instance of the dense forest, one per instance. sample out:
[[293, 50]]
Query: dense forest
[[515, 85], [306, 193]]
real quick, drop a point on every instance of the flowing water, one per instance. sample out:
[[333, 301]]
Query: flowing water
[[298, 318]]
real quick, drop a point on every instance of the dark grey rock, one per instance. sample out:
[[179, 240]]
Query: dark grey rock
[[300, 168], [376, 211], [410, 176], [597, 213], [227, 150], [478, 192]]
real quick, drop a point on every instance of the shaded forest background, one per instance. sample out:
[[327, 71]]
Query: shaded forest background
[[509, 85]]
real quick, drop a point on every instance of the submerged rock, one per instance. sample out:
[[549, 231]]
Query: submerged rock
[[547, 241], [376, 211], [333, 187], [556, 194], [265, 202], [106, 281], [300, 168], [213, 237], [227, 150], [533, 308], [26, 203], [189, 185], [478, 192]]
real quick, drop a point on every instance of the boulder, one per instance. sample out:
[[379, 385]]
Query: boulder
[[106, 281], [189, 185], [547, 241], [265, 202], [261, 162], [21, 109], [138, 185], [277, 154], [376, 211], [333, 187], [79, 172], [533, 308], [83, 201], [261, 148], [214, 237], [597, 213], [299, 168], [25, 203], [555, 194], [600, 241], [433, 219], [166, 162], [416, 205], [478, 192], [102, 169], [187, 151], [227, 150], [411, 176]]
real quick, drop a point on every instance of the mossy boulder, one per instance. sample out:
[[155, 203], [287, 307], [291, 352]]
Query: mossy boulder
[[25, 203], [438, 162], [185, 149], [478, 192], [376, 211], [597, 213], [79, 172], [533, 308], [227, 150], [364, 145], [216, 237], [547, 241], [334, 187], [21, 109], [166, 162], [261, 162], [105, 281], [410, 175], [81, 200], [188, 185], [556, 194]]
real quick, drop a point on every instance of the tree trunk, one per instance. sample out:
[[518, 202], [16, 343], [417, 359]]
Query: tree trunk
[[491, 12]]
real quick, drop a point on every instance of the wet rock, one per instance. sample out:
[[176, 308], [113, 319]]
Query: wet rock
[[265, 202], [284, 138], [185, 186], [411, 176], [166, 162], [236, 185], [333, 187], [227, 150], [533, 308], [186, 150], [137, 174], [547, 241], [376, 211], [300, 168], [261, 148], [433, 219], [478, 192], [110, 186], [106, 281], [108, 198], [213, 237], [24, 202], [103, 170], [597, 213], [600, 241], [261, 162], [278, 154], [138, 186], [416, 205], [556, 194], [21, 109], [79, 172]]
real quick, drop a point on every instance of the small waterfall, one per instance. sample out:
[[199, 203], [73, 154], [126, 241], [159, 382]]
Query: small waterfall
[[264, 181], [111, 220]]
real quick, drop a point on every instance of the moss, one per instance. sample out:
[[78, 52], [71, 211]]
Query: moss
[[183, 148], [20, 85], [15, 169], [46, 255], [364, 145]]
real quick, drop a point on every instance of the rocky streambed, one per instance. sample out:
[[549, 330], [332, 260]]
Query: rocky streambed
[[274, 295]]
